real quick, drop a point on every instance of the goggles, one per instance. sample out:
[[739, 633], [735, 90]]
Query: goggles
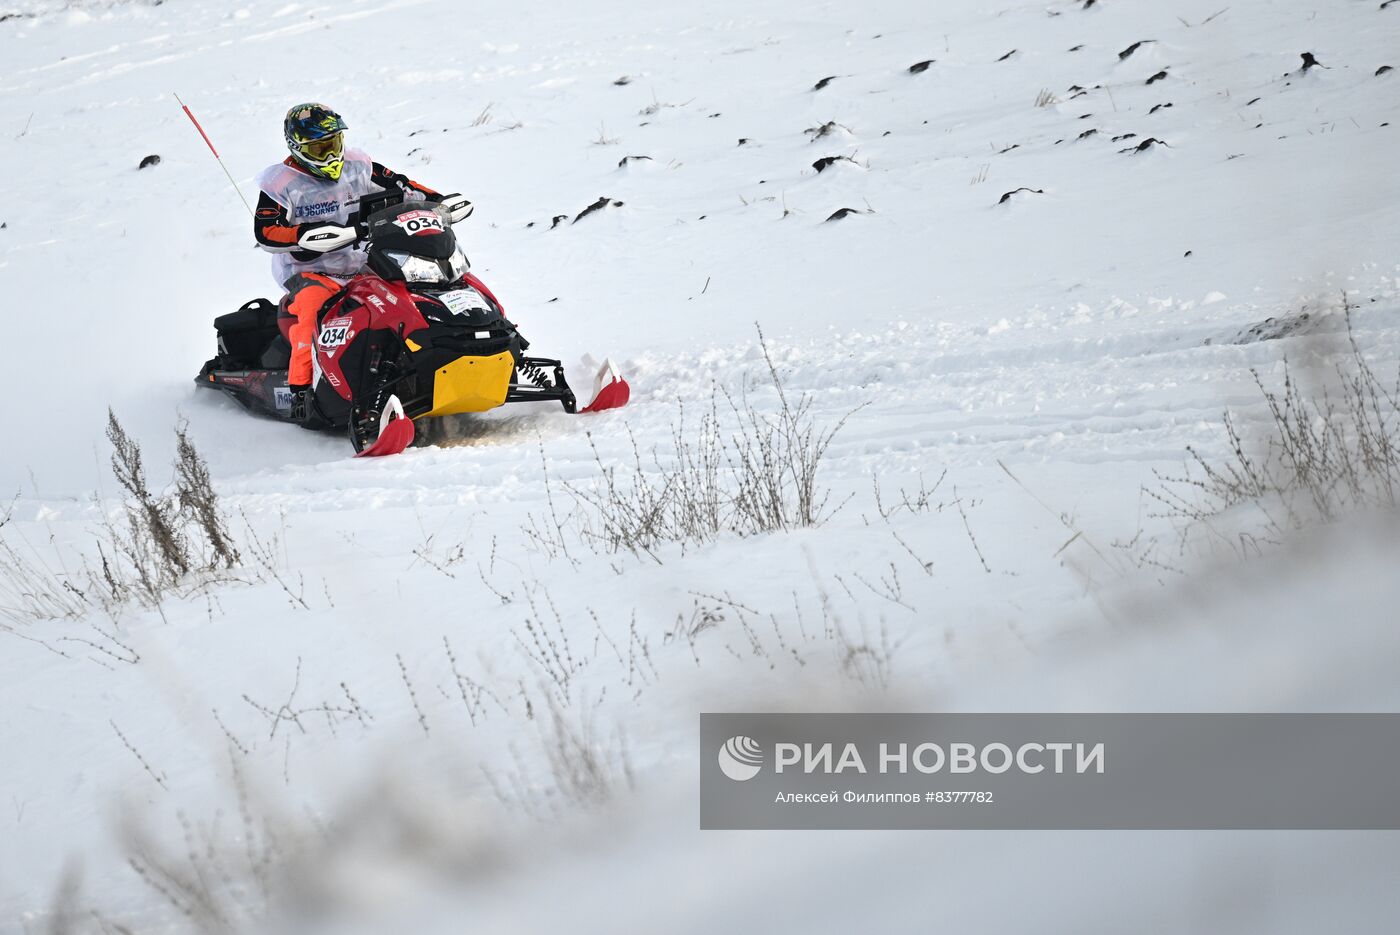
[[325, 149]]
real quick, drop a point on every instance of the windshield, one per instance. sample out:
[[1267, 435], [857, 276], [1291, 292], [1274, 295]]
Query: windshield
[[387, 215]]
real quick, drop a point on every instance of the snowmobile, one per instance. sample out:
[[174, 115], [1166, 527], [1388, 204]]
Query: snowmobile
[[414, 336]]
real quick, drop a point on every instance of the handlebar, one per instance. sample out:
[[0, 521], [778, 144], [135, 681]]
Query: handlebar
[[369, 204], [377, 201]]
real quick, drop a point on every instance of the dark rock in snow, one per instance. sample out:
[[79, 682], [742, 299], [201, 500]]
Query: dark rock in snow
[[1285, 326], [1125, 136], [1144, 145], [1076, 48], [1186, 254], [1088, 133], [557, 219], [840, 213], [1383, 69], [1133, 48], [1253, 102], [823, 83], [1310, 61], [919, 67], [743, 140], [1160, 76], [1007, 56], [151, 160], [1007, 197], [622, 163], [598, 205], [1157, 107], [826, 162]]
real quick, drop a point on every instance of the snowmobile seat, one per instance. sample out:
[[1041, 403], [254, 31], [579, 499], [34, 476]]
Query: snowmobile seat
[[278, 355], [250, 337]]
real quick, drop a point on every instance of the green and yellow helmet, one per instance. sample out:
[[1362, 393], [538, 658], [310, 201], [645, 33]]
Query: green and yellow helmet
[[316, 136]]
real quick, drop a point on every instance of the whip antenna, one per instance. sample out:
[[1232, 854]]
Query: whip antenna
[[189, 114]]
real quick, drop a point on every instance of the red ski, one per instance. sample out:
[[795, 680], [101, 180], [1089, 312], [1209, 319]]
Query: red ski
[[395, 432], [610, 391]]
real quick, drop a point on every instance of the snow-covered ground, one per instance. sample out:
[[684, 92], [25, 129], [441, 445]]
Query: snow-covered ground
[[372, 714]]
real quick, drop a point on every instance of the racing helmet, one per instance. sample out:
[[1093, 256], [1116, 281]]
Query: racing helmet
[[316, 137]]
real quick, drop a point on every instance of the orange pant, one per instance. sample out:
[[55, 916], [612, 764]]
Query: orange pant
[[307, 294]]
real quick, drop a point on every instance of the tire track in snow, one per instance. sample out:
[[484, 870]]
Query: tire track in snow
[[1141, 395]]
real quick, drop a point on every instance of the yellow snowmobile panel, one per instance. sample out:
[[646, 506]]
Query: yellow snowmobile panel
[[471, 384]]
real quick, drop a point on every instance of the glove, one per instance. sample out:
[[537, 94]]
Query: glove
[[458, 207], [301, 402]]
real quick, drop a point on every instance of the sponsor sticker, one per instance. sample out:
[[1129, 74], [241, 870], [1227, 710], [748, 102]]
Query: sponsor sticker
[[461, 301], [318, 209]]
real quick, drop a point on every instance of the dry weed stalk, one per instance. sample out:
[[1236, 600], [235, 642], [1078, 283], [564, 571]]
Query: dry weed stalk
[[1329, 448], [751, 473]]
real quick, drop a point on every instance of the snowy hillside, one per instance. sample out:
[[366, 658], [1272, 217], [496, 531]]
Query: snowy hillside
[[1046, 245]]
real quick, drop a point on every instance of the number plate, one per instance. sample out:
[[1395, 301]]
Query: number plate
[[334, 335]]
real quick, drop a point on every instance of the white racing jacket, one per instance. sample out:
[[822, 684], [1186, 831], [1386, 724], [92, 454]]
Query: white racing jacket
[[292, 197]]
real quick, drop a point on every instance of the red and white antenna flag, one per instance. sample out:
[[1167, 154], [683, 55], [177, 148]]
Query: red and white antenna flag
[[190, 114]]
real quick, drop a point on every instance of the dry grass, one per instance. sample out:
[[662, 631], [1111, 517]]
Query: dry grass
[[1329, 448], [34, 583], [263, 859], [161, 541], [741, 470]]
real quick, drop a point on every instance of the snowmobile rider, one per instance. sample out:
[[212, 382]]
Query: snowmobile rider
[[304, 216]]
